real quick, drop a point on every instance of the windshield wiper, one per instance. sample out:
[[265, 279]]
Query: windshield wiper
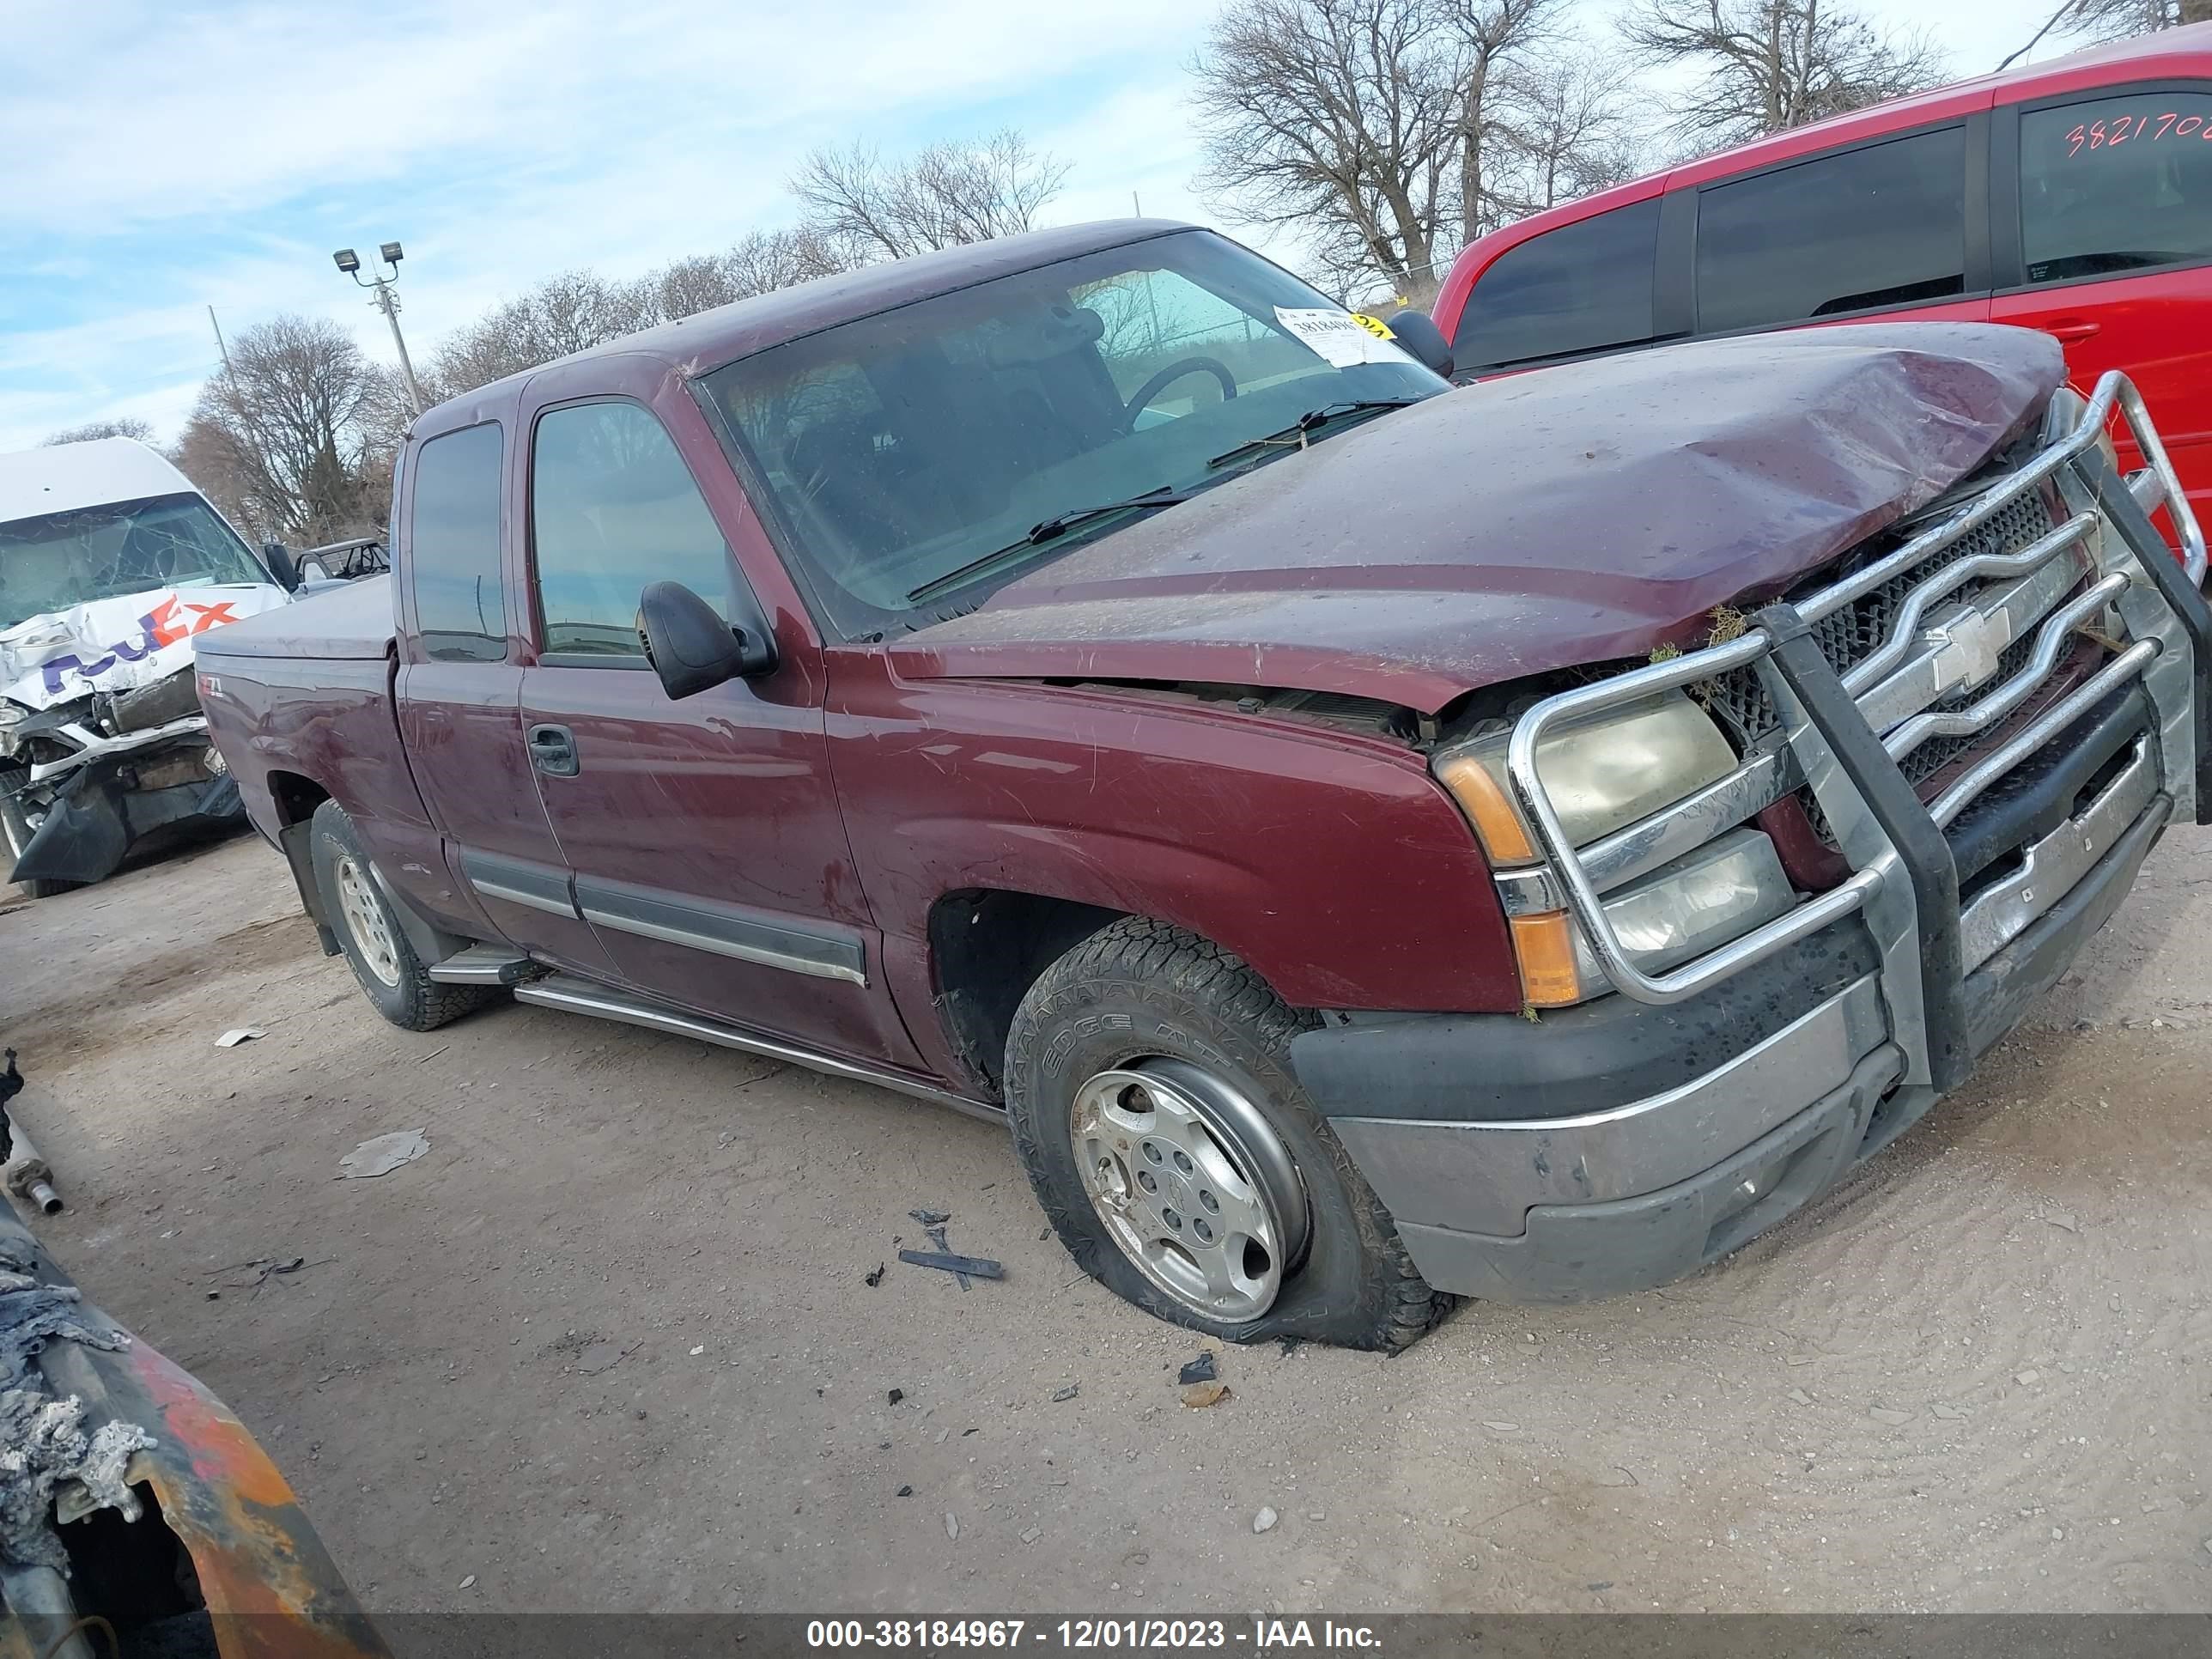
[[1049, 529], [1301, 432]]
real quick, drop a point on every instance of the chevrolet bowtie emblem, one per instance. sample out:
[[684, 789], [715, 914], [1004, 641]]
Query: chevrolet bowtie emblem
[[1968, 645]]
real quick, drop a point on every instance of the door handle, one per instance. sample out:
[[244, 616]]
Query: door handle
[[2068, 333], [553, 750]]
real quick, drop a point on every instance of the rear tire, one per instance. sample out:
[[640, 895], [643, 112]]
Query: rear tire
[[394, 977], [17, 830], [1206, 1188]]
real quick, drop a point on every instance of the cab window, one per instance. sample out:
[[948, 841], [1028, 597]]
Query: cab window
[[1581, 288], [453, 547], [2116, 184], [1881, 226]]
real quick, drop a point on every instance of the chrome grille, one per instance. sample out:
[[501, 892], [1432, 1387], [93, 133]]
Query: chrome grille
[[1938, 752], [1853, 632]]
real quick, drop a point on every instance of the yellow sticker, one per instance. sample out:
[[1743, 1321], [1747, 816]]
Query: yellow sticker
[[1373, 326]]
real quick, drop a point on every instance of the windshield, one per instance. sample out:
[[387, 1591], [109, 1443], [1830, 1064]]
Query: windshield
[[901, 448], [64, 559]]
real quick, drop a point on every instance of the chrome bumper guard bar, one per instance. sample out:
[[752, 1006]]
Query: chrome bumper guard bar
[[1843, 735]]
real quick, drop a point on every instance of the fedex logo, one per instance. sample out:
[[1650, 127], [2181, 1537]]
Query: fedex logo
[[164, 625]]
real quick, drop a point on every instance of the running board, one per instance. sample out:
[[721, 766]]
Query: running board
[[482, 964], [580, 996]]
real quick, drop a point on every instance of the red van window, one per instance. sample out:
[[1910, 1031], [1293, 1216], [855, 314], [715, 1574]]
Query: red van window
[[1883, 225], [1582, 287], [2116, 183]]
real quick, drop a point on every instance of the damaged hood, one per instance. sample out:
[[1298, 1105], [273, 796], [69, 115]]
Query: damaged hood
[[117, 644], [1573, 515]]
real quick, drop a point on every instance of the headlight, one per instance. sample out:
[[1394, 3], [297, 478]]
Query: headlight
[[1602, 775], [1705, 898]]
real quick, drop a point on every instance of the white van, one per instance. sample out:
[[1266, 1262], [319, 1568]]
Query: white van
[[110, 561]]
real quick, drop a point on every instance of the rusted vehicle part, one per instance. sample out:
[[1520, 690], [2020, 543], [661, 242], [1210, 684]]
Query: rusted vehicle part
[[219, 1559], [22, 1170], [29, 1177]]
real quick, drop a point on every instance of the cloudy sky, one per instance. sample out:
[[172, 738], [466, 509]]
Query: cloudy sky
[[167, 155]]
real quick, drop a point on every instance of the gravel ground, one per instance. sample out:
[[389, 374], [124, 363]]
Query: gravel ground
[[610, 1344]]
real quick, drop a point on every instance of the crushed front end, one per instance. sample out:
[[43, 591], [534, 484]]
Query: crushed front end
[[1922, 783], [82, 780]]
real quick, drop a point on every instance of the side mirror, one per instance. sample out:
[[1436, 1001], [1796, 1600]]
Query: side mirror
[[692, 648], [281, 565], [1424, 340]]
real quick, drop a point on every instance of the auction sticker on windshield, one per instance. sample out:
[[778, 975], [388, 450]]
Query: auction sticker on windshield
[[1337, 336], [117, 644]]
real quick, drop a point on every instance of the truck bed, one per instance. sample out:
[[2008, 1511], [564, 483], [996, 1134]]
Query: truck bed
[[351, 623], [299, 700]]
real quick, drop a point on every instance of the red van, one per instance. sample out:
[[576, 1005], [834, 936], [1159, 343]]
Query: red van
[[2074, 197]]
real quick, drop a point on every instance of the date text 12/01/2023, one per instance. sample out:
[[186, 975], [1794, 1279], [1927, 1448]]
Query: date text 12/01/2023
[[1258, 1636]]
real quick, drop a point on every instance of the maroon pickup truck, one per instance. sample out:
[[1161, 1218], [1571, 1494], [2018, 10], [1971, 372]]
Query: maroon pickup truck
[[1371, 840]]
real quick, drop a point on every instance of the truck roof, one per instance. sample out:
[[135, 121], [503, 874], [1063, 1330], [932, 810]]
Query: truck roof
[[63, 477], [708, 339]]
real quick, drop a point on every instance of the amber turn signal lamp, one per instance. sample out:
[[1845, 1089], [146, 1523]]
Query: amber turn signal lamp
[[1544, 945], [1485, 804]]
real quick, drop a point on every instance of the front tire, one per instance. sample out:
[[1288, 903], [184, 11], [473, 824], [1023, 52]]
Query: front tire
[[394, 977], [1154, 1109]]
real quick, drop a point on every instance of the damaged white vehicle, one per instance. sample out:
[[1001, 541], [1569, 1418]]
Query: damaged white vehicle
[[110, 563]]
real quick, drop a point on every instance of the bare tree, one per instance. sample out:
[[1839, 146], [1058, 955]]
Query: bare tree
[[947, 196], [570, 311], [127, 427], [1383, 132], [1772, 64], [2115, 20], [760, 263], [1493, 34], [205, 454], [282, 438], [1564, 129], [1338, 119], [576, 310]]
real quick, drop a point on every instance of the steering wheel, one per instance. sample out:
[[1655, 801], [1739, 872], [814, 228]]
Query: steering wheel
[[1168, 376]]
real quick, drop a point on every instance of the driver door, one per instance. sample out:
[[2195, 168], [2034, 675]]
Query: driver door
[[708, 850]]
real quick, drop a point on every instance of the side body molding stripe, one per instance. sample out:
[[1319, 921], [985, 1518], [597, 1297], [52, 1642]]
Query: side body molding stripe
[[538, 886], [823, 950]]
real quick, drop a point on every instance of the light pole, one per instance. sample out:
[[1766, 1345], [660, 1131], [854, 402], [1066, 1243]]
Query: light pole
[[386, 302]]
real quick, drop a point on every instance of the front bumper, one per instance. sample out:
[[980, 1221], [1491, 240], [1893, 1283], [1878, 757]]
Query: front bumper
[[1625, 1142], [1600, 1203], [98, 813]]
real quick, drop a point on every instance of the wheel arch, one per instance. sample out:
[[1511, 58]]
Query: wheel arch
[[988, 945]]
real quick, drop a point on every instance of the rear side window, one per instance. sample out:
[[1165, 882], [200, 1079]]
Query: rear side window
[[1580, 288], [2119, 184], [452, 548], [1881, 226], [612, 506]]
